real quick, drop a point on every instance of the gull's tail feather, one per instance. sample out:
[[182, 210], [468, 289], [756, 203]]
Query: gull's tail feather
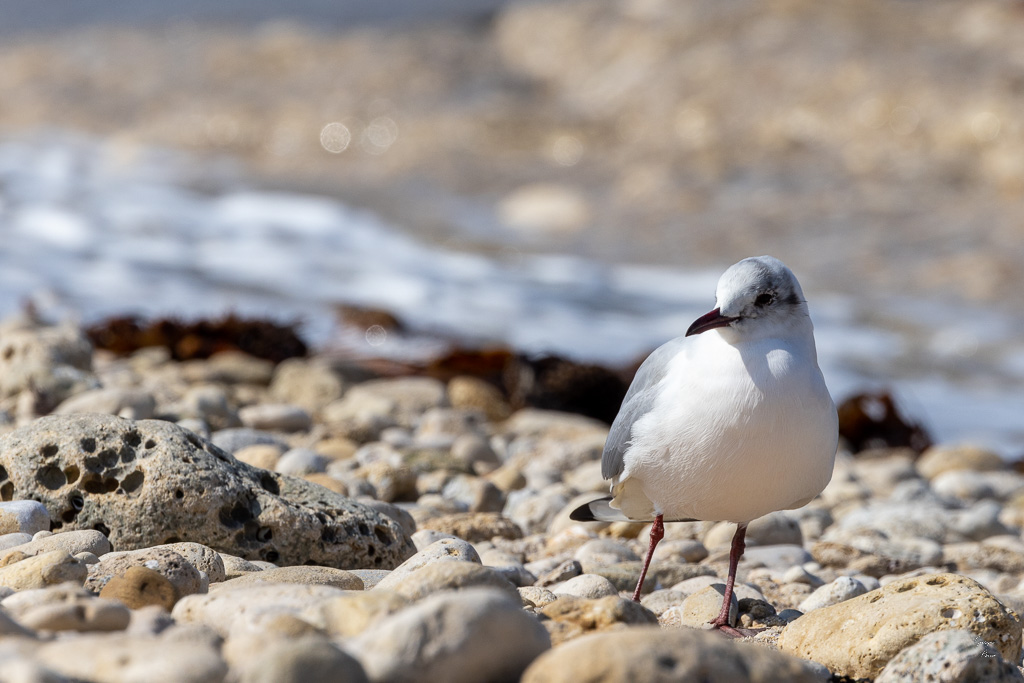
[[600, 510]]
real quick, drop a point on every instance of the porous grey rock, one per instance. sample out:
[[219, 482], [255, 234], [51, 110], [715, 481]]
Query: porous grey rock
[[23, 516], [151, 482], [478, 634], [661, 656], [955, 656]]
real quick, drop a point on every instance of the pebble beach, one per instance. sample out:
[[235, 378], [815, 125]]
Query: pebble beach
[[447, 232], [230, 519]]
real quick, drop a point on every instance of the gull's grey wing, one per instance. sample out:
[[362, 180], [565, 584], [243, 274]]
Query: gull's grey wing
[[638, 402]]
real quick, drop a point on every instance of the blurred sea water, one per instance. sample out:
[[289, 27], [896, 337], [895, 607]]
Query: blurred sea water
[[88, 230]]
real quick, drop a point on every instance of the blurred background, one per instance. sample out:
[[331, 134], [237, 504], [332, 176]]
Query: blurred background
[[561, 177]]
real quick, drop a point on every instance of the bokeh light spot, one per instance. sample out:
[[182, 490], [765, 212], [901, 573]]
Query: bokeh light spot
[[335, 137]]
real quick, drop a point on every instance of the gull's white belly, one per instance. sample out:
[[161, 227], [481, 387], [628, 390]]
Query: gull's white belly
[[732, 444]]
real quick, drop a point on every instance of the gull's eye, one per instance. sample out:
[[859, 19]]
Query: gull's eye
[[763, 300]]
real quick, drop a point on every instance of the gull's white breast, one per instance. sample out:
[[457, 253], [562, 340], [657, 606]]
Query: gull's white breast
[[736, 432]]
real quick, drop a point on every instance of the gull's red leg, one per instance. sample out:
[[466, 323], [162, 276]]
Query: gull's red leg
[[657, 533], [721, 622]]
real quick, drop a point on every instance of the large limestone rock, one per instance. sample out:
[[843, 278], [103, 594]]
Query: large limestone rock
[[856, 638], [151, 482]]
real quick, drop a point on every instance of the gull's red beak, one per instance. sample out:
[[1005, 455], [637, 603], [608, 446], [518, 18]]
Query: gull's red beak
[[709, 321]]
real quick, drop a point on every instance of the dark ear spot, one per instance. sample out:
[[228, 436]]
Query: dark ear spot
[[792, 299]]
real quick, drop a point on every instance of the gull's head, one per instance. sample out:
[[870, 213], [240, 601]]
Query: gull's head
[[757, 297]]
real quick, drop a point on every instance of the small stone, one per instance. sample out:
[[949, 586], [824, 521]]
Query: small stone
[[940, 459], [306, 659], [949, 657], [83, 614], [445, 550], [262, 455], [440, 576], [571, 616], [183, 576], [301, 461], [475, 526], [235, 439], [132, 404], [843, 588], [235, 566], [323, 576], [603, 552], [660, 601], [276, 417], [647, 653], [71, 542], [439, 427], [426, 537], [703, 606], [799, 574], [478, 634], [370, 577], [310, 383], [46, 569], [562, 572], [474, 453], [474, 494], [476, 394], [352, 613], [23, 516], [222, 610], [590, 586], [12, 540], [203, 558], [140, 587], [161, 659]]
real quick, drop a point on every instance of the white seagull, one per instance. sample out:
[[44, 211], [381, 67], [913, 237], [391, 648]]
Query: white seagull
[[724, 426]]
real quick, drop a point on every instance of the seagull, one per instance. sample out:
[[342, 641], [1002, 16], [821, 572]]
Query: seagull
[[728, 423]]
